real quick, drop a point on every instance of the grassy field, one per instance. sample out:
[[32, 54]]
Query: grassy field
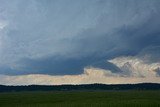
[[81, 99]]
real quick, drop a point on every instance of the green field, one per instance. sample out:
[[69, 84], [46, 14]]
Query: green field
[[81, 99]]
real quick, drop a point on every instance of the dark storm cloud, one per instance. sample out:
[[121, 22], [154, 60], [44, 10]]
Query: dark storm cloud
[[63, 37], [55, 66]]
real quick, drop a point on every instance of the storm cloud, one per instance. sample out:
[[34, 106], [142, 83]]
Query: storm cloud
[[63, 37]]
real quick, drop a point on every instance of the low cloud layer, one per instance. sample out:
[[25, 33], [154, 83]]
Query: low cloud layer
[[90, 76], [134, 70]]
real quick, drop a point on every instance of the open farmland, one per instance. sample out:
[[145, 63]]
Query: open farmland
[[81, 99]]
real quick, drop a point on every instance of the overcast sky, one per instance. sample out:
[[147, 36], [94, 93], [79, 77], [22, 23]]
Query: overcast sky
[[64, 37]]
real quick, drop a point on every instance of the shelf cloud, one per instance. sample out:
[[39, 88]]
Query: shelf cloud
[[134, 70], [55, 40]]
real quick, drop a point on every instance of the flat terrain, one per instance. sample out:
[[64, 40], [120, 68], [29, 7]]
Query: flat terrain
[[81, 99]]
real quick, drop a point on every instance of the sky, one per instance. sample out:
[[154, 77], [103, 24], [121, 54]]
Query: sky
[[79, 41]]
